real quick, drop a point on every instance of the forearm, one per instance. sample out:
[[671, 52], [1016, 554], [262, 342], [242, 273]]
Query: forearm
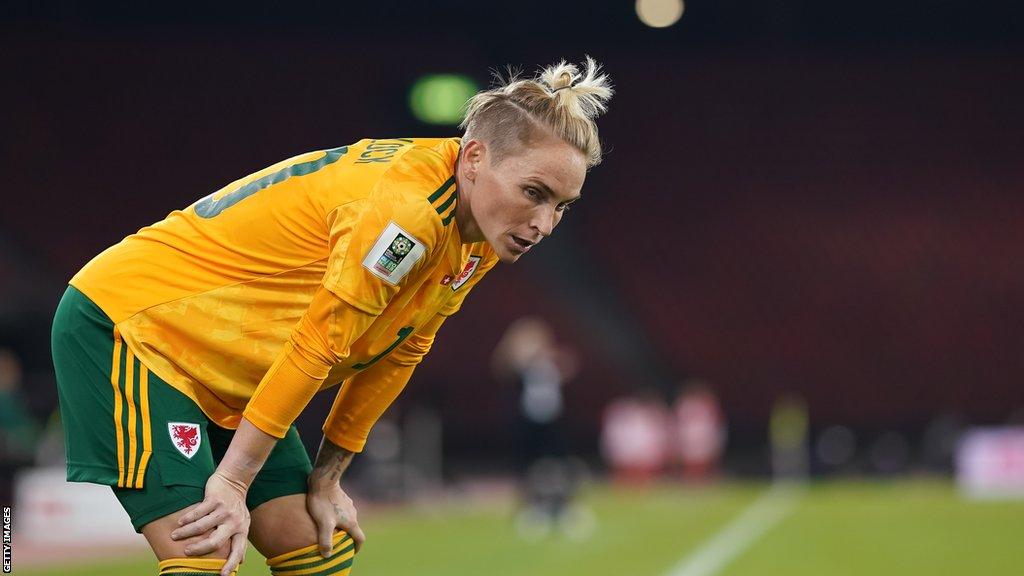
[[249, 449], [361, 402], [320, 340], [331, 463], [367, 395], [285, 391]]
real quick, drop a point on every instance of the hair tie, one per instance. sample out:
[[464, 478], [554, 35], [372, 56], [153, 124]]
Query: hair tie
[[570, 85]]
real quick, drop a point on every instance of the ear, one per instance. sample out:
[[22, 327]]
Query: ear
[[474, 153]]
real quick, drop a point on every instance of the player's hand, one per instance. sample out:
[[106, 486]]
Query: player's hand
[[223, 510], [331, 508]]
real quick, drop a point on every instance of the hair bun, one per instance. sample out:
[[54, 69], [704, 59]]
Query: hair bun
[[505, 114], [564, 80], [590, 89]]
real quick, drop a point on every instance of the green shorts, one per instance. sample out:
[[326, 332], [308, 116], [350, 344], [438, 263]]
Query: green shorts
[[127, 428]]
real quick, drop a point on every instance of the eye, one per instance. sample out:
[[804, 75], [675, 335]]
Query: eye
[[533, 193]]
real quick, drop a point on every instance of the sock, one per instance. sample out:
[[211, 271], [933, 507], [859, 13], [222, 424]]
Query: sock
[[192, 566], [308, 561]]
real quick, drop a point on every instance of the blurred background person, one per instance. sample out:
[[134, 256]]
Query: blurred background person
[[528, 356], [635, 437], [788, 434], [18, 429], [700, 431]]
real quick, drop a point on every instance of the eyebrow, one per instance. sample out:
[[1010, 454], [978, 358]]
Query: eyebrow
[[547, 190]]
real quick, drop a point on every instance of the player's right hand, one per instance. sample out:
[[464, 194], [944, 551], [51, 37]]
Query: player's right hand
[[223, 510]]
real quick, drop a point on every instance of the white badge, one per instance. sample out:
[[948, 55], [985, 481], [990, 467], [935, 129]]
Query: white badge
[[393, 254], [186, 437]]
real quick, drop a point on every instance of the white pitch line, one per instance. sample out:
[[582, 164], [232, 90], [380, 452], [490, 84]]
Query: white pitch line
[[767, 511]]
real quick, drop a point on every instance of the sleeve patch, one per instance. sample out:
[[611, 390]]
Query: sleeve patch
[[394, 254]]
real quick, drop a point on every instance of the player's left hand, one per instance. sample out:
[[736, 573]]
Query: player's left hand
[[331, 509], [223, 511]]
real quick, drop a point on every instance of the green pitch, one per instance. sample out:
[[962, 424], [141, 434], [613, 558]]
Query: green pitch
[[901, 528]]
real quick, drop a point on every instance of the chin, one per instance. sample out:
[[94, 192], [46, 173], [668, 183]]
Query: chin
[[507, 257]]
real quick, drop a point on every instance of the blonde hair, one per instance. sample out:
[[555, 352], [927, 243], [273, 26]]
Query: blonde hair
[[560, 100]]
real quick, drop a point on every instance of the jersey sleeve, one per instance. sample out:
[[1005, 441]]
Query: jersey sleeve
[[320, 340], [488, 259], [364, 398], [378, 242]]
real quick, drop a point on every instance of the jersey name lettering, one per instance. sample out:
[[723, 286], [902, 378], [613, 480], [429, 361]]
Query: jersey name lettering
[[379, 151]]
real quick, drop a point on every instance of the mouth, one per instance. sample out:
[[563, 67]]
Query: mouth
[[521, 245]]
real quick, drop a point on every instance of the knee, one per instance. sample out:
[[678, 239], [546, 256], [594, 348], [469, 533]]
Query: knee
[[173, 561], [221, 552], [295, 550], [265, 530], [159, 537]]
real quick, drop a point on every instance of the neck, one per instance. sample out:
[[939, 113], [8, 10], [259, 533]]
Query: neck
[[469, 232]]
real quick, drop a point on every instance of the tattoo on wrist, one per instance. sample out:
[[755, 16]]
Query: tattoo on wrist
[[331, 462]]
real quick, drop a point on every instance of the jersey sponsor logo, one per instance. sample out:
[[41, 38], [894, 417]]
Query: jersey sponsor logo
[[186, 437], [467, 272], [394, 254]]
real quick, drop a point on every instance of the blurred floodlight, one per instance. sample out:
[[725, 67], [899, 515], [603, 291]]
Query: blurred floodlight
[[659, 13], [439, 98]]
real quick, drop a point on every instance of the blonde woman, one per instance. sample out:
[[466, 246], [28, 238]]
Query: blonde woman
[[185, 352]]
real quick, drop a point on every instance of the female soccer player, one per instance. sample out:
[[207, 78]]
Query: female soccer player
[[184, 353]]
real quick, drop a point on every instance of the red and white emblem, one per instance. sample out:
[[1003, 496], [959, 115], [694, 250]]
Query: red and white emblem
[[467, 272], [446, 280], [186, 437]]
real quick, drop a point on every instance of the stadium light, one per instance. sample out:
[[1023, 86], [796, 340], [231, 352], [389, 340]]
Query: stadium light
[[439, 98], [659, 13]]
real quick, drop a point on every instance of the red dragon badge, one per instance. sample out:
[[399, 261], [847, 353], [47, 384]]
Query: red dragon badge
[[186, 437]]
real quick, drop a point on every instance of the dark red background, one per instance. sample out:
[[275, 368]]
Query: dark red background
[[846, 223]]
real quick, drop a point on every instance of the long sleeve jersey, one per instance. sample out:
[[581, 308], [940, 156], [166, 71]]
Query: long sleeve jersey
[[333, 266]]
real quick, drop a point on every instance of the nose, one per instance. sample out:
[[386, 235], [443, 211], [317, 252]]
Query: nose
[[544, 220]]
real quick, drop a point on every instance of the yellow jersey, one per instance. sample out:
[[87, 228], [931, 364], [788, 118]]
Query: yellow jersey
[[325, 264]]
